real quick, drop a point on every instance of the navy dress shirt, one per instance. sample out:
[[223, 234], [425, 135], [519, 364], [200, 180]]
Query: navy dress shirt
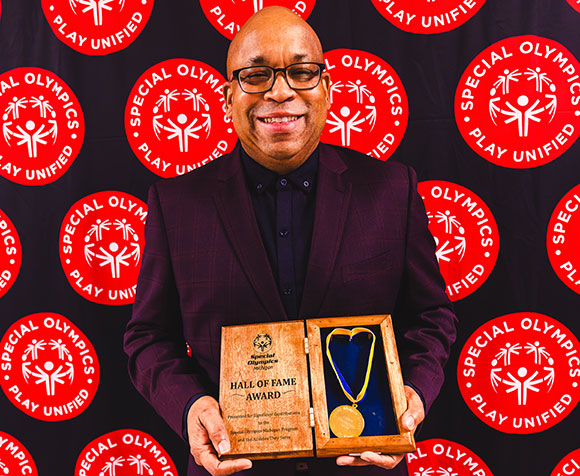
[[284, 209]]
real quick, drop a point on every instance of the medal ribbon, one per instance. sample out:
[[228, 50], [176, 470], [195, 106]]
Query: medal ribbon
[[343, 384]]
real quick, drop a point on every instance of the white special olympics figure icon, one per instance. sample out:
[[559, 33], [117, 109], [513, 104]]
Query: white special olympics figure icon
[[183, 123], [522, 368], [96, 8], [525, 109], [3, 468], [54, 370], [348, 119], [453, 243], [36, 129], [110, 253], [432, 471], [141, 467]]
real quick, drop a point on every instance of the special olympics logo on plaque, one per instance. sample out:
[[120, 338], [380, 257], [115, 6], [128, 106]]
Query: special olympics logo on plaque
[[369, 109], [262, 343], [10, 254], [519, 373], [101, 244], [50, 369], [42, 126], [15, 459], [97, 27], [438, 457], [124, 453], [175, 117], [518, 103], [428, 16], [227, 16], [563, 237], [465, 234]]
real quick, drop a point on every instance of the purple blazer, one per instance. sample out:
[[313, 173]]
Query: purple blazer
[[204, 266]]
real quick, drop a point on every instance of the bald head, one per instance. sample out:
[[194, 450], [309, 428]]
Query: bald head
[[269, 26], [278, 127]]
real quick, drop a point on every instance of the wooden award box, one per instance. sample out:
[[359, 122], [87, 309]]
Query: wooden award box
[[273, 390]]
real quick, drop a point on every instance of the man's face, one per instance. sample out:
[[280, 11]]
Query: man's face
[[279, 128]]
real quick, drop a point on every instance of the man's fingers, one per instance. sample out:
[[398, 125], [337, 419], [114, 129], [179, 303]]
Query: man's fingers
[[368, 457], [350, 461], [233, 466], [384, 461], [214, 466]]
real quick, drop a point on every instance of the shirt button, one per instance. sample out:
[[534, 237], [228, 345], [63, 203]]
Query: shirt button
[[284, 233], [288, 291], [259, 186], [302, 466], [283, 182], [306, 183]]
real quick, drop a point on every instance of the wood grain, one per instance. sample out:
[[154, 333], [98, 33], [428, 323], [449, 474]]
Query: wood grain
[[264, 394], [326, 445]]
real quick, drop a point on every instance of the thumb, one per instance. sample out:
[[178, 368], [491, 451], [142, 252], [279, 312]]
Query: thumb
[[415, 412], [216, 430]]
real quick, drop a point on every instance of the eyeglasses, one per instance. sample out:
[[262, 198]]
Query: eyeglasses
[[260, 79]]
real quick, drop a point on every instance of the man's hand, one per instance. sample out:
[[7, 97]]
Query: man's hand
[[414, 415], [207, 435]]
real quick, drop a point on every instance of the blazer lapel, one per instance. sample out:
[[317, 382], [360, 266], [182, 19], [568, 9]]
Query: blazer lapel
[[235, 208], [332, 201]]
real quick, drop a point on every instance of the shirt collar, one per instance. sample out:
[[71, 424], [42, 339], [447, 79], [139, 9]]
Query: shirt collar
[[260, 178]]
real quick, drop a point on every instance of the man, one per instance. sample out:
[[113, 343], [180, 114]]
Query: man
[[283, 227]]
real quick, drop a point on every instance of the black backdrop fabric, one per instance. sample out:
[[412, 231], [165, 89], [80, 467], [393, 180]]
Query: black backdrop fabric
[[430, 67]]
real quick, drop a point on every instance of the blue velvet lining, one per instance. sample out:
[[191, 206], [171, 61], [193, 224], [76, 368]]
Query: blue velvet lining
[[351, 358]]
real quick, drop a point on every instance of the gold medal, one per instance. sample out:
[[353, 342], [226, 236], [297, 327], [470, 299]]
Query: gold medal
[[346, 422]]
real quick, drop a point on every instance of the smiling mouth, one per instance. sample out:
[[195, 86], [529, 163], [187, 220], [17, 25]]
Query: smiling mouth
[[270, 120]]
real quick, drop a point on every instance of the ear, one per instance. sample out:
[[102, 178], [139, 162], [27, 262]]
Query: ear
[[326, 82], [228, 93]]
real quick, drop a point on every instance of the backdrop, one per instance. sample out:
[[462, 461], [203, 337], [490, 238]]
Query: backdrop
[[99, 99]]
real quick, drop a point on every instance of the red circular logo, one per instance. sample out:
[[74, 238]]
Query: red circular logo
[[15, 458], [562, 240], [519, 373], [97, 27], [101, 243], [227, 16], [49, 369], [517, 104], [575, 4], [570, 465], [175, 117], [369, 109], [42, 126], [465, 234], [428, 16], [438, 457], [10, 253], [124, 453]]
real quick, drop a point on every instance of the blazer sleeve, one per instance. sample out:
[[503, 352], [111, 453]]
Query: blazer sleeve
[[159, 365], [424, 313]]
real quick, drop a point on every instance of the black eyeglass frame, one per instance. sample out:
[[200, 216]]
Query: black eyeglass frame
[[236, 75]]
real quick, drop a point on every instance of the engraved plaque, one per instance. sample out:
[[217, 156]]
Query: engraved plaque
[[264, 393]]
